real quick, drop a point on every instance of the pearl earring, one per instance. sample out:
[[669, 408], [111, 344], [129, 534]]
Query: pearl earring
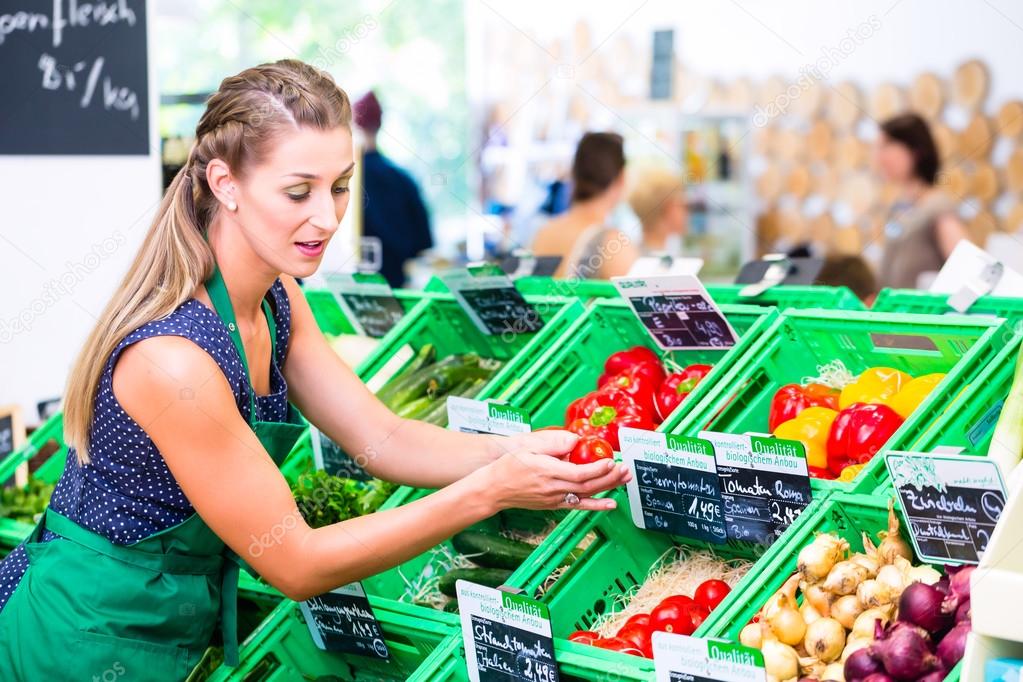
[[231, 206]]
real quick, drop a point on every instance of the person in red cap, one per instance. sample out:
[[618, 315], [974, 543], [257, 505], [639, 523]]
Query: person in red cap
[[393, 209]]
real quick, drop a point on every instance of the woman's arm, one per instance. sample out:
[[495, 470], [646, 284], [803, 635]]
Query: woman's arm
[[179, 396], [331, 396], [618, 255], [948, 230]]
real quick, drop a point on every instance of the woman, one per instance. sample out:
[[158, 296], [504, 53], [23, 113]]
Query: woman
[[923, 226], [173, 472], [588, 246], [659, 201]]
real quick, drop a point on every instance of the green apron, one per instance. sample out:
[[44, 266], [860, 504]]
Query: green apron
[[87, 609]]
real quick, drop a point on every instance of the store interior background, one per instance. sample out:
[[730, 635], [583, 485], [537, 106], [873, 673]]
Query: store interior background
[[452, 74]]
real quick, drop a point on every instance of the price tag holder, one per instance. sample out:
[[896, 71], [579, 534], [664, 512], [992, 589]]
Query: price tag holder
[[330, 457], [507, 636], [342, 620], [368, 301], [480, 416], [952, 503], [678, 658], [677, 311], [765, 484], [492, 302], [674, 487]]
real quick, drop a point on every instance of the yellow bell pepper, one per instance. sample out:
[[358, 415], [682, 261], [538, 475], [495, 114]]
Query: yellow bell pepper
[[875, 385], [810, 427], [850, 472], [912, 394]]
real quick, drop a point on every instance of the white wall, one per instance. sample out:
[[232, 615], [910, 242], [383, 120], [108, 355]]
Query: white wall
[[69, 228]]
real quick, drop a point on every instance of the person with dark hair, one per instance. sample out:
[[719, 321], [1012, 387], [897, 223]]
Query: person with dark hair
[[923, 226], [849, 271], [589, 247], [393, 210]]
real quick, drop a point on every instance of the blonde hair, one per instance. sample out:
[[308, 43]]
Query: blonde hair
[[242, 120], [653, 187]]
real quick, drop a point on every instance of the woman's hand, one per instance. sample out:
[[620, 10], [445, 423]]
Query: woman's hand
[[535, 477]]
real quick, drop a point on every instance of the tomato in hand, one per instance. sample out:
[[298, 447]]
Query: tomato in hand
[[583, 637], [710, 593], [590, 449], [639, 636]]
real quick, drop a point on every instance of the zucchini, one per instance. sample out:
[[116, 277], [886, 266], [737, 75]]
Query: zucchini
[[489, 577], [415, 408], [416, 384], [491, 551], [423, 358]]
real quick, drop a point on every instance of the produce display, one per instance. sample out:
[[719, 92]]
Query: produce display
[[677, 596], [869, 616], [324, 499], [844, 420], [635, 390], [420, 390], [26, 503]]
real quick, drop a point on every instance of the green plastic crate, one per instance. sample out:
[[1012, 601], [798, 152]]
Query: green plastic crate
[[51, 434], [569, 368], [576, 663], [331, 318], [846, 514], [827, 298], [913, 301], [578, 288], [282, 650], [801, 340]]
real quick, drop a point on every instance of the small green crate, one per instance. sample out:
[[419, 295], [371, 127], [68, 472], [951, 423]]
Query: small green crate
[[569, 368], [783, 297], [576, 663], [845, 514], [801, 340], [50, 436], [585, 289], [912, 301], [331, 318], [282, 650]]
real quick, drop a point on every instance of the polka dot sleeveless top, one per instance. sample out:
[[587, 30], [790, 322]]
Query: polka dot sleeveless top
[[127, 493]]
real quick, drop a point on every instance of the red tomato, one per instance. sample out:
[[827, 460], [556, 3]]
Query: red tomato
[[678, 599], [697, 613], [583, 637], [677, 615], [710, 593], [638, 619], [615, 644], [590, 449], [639, 636]]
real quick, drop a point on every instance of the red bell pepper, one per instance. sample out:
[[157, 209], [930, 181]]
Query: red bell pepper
[[617, 363], [677, 387], [603, 412], [791, 399], [639, 384], [610, 396], [858, 432]]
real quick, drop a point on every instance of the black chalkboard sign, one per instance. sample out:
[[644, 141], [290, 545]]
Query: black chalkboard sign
[[331, 457], [6, 435], [492, 302], [681, 501], [683, 321], [376, 314], [952, 503], [505, 652], [75, 77], [342, 620]]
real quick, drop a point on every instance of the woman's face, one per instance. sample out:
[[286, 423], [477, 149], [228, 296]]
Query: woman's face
[[290, 205], [893, 160]]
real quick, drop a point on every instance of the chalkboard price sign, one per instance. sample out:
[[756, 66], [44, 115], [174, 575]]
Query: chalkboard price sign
[[678, 658], [342, 620], [675, 487], [507, 636], [952, 503], [368, 301], [492, 302], [330, 457], [75, 77], [677, 311], [765, 484]]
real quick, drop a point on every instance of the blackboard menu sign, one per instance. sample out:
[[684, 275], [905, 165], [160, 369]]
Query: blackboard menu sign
[[674, 487], [677, 311], [507, 636], [330, 457], [952, 503], [75, 77], [678, 658], [342, 620], [765, 484], [492, 302], [368, 301]]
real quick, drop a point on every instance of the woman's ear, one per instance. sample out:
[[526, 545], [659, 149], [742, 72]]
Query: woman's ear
[[222, 183]]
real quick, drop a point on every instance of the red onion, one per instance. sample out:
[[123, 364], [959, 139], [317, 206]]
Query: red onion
[[953, 645], [938, 675], [905, 653], [959, 580], [921, 604], [964, 613], [943, 586], [877, 677], [860, 664]]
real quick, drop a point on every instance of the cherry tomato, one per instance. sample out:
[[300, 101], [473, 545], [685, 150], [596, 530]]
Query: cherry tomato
[[616, 644], [638, 619], [590, 449], [583, 637], [710, 593], [639, 636]]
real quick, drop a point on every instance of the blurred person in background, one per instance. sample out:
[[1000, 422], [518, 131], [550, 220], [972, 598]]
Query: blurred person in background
[[591, 248], [659, 201], [393, 210], [849, 271], [923, 226]]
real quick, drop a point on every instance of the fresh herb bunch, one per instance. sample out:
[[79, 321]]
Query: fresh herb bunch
[[324, 499]]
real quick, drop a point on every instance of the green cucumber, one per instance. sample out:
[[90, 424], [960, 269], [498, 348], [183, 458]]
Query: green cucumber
[[491, 551], [413, 408], [423, 358], [488, 577], [416, 384]]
